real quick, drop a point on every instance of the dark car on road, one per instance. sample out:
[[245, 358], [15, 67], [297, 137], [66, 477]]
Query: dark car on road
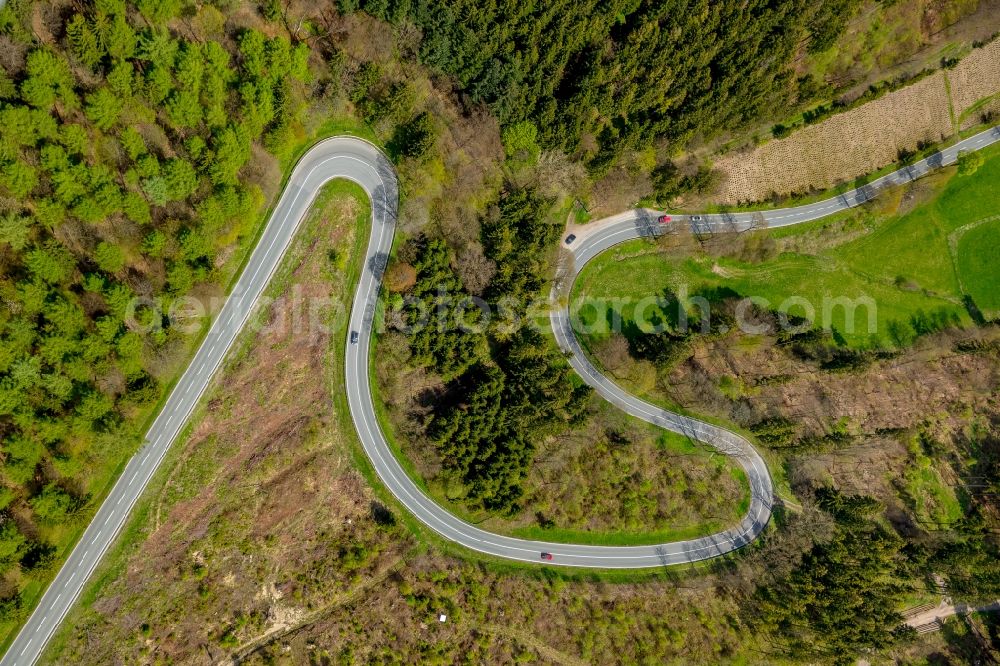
[[570, 238], [354, 337]]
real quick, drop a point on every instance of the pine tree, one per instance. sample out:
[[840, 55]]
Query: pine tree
[[103, 108], [83, 41], [49, 81]]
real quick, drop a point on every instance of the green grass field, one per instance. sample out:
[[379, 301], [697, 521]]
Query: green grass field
[[978, 260], [913, 266]]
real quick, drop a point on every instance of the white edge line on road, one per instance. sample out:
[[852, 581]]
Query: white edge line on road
[[168, 427]]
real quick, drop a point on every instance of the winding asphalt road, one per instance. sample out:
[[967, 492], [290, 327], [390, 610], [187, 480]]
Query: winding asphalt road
[[361, 162]]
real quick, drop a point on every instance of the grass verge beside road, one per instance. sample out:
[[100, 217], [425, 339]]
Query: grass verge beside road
[[900, 258]]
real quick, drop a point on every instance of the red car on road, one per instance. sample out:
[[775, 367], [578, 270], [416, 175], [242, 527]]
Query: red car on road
[[547, 556], [663, 219]]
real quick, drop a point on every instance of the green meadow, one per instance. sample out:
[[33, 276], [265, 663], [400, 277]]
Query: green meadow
[[905, 274]]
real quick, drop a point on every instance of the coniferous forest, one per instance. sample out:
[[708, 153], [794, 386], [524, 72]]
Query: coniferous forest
[[142, 142]]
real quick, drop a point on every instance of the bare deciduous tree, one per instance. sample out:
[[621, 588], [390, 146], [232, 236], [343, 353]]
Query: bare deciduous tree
[[474, 268], [613, 353], [12, 54], [558, 176]]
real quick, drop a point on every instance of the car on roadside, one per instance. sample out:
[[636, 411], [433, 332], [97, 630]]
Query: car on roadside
[[663, 219], [570, 238], [354, 337], [695, 219], [547, 556]]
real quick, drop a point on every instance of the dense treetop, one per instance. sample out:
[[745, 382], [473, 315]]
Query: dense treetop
[[605, 75], [120, 148]]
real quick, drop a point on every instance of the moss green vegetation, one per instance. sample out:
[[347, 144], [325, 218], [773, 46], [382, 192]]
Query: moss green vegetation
[[934, 501], [806, 277], [641, 529], [924, 269]]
